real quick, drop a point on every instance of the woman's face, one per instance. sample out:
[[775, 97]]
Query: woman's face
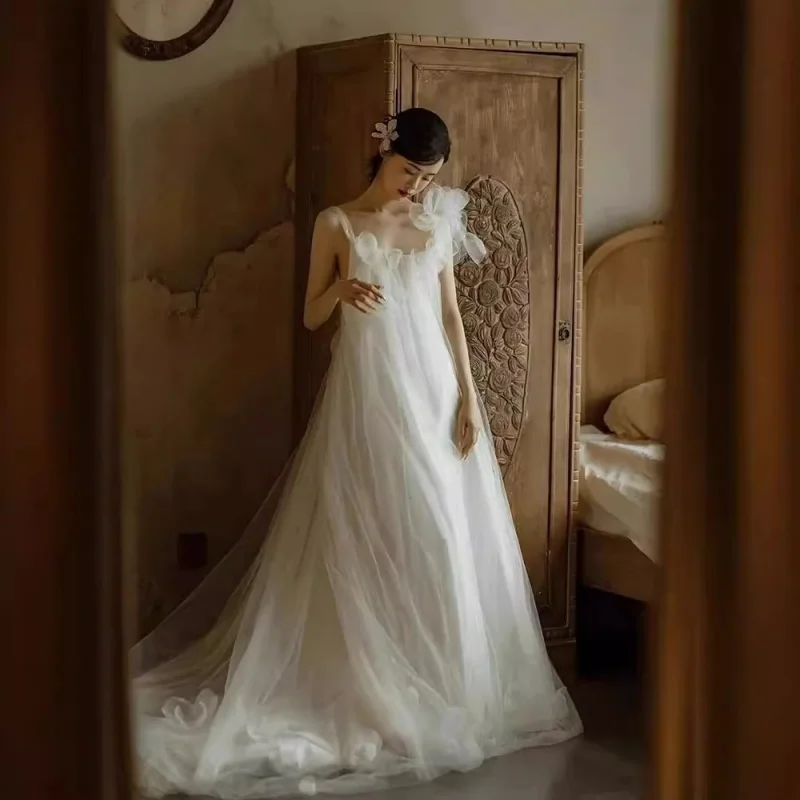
[[400, 177]]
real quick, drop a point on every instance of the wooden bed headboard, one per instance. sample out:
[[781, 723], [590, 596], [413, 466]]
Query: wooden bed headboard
[[623, 317]]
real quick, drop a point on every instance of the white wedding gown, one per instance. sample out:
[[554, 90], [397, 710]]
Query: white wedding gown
[[385, 632]]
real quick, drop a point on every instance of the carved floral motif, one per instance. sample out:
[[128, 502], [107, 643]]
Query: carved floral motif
[[494, 298]]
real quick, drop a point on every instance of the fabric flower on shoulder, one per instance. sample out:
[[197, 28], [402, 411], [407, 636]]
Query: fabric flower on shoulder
[[443, 211]]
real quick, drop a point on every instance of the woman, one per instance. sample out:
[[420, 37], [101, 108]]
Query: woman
[[385, 633]]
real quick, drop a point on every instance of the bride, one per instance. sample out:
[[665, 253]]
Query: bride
[[378, 627]]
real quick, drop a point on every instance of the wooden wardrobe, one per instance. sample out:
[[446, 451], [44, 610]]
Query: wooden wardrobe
[[514, 112]]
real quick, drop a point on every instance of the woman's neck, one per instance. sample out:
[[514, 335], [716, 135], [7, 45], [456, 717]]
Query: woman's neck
[[376, 199]]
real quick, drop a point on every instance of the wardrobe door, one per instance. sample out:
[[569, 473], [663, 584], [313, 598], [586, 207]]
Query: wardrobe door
[[343, 89], [514, 122]]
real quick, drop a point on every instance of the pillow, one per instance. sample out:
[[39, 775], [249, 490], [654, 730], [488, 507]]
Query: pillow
[[638, 413]]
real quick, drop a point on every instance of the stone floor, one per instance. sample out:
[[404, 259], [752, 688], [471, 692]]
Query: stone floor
[[607, 763]]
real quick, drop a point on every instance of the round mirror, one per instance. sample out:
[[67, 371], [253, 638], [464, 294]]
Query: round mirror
[[164, 29]]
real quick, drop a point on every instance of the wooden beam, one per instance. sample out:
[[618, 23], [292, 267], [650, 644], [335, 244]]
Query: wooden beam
[[63, 729], [727, 692]]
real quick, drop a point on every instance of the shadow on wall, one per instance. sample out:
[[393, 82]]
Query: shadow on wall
[[208, 316]]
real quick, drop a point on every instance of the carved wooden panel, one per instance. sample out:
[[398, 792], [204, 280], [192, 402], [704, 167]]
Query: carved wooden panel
[[494, 298]]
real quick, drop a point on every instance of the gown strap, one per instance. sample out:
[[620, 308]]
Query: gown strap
[[344, 221]]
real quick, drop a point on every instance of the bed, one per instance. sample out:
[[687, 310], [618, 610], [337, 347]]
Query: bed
[[622, 357]]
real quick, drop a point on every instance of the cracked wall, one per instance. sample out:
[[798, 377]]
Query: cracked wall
[[208, 397]]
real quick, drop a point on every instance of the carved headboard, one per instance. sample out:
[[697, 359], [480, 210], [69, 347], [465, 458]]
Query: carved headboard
[[623, 317]]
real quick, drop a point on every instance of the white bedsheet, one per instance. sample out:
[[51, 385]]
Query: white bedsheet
[[620, 487]]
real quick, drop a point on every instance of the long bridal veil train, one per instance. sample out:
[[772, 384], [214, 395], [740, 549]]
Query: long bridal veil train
[[374, 625]]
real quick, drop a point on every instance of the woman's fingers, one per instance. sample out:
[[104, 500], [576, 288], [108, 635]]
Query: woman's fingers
[[362, 300], [466, 437], [372, 289], [363, 305], [364, 295], [469, 438]]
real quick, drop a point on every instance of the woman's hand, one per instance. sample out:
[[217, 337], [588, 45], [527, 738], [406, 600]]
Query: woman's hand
[[366, 297], [468, 424]]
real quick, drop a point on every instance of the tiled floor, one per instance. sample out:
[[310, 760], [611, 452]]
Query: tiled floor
[[607, 763]]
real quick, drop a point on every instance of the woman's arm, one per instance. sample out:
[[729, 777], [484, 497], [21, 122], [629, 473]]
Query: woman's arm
[[322, 294], [325, 287], [468, 423], [454, 328]]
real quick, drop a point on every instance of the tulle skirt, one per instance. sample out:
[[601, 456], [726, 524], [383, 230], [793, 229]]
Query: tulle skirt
[[379, 627]]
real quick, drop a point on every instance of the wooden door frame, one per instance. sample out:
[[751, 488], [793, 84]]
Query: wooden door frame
[[64, 728]]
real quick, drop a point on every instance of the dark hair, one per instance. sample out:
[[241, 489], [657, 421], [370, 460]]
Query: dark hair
[[422, 138]]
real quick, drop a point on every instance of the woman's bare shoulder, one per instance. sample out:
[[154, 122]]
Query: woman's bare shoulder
[[329, 219]]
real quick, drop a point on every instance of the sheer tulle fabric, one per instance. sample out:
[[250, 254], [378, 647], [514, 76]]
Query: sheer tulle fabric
[[375, 625]]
